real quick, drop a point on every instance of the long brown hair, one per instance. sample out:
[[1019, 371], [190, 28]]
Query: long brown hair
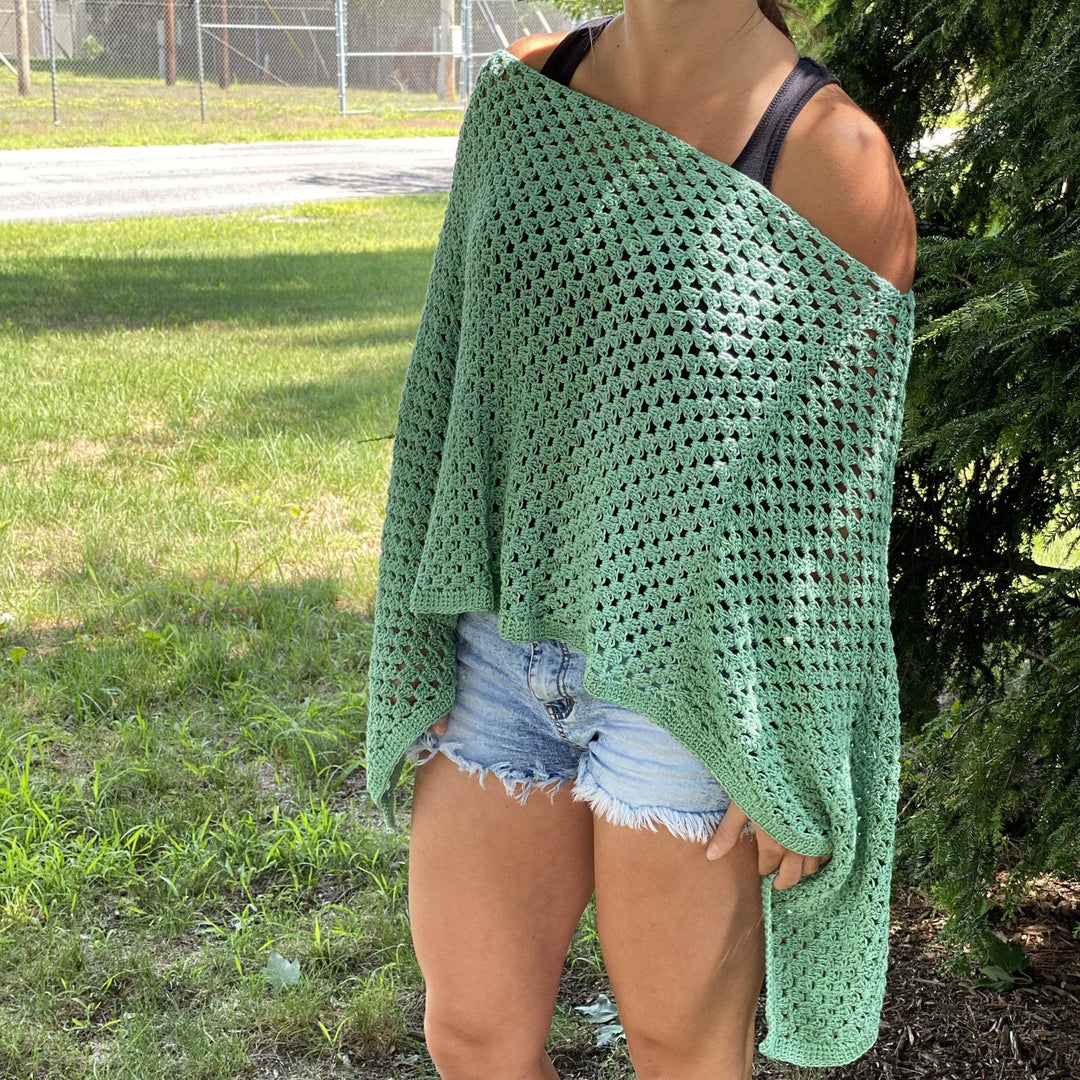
[[773, 10]]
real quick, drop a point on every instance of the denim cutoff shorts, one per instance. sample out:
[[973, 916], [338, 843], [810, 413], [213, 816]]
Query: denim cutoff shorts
[[522, 714]]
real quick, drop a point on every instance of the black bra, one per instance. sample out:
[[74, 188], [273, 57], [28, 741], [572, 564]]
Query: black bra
[[758, 157]]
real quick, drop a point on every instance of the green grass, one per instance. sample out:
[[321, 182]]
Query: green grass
[[194, 455], [207, 393], [100, 111]]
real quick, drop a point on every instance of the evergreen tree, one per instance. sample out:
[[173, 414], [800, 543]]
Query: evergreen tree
[[988, 461]]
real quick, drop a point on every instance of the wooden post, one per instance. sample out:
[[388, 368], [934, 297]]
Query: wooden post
[[170, 43], [223, 72], [22, 44]]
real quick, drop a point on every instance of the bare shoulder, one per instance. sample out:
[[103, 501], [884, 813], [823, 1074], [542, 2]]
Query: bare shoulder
[[534, 49], [841, 174]]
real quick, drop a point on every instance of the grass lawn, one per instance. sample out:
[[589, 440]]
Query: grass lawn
[[194, 455], [99, 111]]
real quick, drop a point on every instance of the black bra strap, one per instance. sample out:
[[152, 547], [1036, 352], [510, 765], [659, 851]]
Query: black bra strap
[[566, 56], [759, 156]]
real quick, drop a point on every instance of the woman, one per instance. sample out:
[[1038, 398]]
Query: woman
[[498, 880]]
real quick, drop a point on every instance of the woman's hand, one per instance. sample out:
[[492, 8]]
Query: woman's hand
[[439, 727], [771, 855]]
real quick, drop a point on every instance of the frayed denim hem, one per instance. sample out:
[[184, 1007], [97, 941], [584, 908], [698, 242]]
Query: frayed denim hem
[[697, 826], [512, 778]]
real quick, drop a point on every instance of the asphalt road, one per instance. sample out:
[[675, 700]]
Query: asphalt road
[[128, 181]]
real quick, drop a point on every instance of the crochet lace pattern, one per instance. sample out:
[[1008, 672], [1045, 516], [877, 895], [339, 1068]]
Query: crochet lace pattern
[[654, 412]]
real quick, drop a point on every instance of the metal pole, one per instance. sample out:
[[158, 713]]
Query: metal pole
[[341, 17], [52, 57], [199, 55], [444, 79], [466, 47], [224, 76]]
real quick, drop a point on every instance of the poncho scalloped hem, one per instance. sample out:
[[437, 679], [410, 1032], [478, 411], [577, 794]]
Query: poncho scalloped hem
[[653, 412]]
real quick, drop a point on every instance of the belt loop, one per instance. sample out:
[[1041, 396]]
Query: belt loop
[[532, 662], [560, 681]]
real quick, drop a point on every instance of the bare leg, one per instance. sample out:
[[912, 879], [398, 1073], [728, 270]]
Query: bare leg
[[496, 890], [684, 946]]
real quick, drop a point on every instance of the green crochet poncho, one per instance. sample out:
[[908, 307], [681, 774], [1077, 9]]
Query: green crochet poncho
[[652, 411]]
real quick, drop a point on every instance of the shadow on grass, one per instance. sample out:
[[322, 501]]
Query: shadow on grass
[[42, 294]]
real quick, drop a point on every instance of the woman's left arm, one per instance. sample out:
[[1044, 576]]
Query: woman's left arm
[[837, 169]]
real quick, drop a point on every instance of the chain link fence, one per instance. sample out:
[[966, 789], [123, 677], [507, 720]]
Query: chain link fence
[[353, 56]]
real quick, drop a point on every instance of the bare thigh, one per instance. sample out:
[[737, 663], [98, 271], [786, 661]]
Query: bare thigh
[[496, 890], [683, 942]]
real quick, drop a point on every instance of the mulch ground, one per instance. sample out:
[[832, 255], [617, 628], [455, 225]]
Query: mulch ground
[[939, 1026]]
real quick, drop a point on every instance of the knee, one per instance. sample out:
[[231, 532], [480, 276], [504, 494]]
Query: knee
[[660, 1053], [480, 1047], [658, 1058]]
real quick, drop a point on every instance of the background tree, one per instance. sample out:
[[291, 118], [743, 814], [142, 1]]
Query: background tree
[[988, 462]]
